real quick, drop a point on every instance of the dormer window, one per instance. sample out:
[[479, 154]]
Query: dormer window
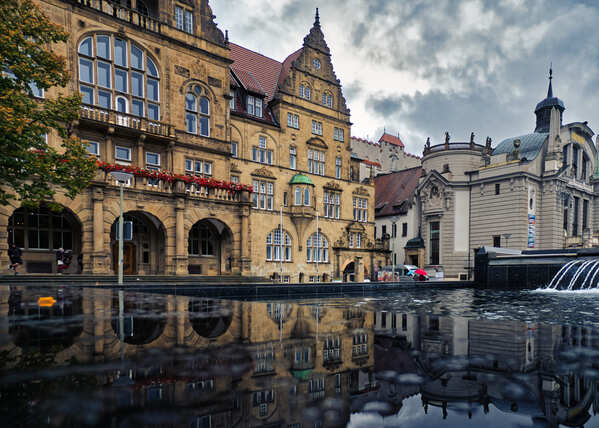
[[254, 106]]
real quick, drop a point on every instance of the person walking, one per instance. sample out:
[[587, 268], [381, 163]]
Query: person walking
[[14, 253], [59, 260]]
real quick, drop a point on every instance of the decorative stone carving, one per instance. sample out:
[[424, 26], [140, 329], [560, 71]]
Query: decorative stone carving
[[264, 172], [182, 71], [332, 185], [361, 191], [317, 142], [235, 168]]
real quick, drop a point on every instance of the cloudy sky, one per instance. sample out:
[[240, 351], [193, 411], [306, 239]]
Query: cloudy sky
[[421, 67]]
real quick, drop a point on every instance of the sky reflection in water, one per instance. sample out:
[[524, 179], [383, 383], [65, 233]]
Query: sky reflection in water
[[417, 358]]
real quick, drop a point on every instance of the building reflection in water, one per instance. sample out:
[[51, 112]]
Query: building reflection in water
[[179, 361]]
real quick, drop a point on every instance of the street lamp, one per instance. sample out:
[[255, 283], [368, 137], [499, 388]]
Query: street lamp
[[122, 178], [393, 227]]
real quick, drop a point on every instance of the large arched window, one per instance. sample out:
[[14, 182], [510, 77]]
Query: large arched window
[[317, 248], [201, 240], [114, 74], [41, 229], [197, 111], [274, 246]]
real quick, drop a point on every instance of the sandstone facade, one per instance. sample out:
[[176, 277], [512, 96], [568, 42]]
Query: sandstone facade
[[165, 91]]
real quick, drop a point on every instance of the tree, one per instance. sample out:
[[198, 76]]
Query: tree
[[31, 170]]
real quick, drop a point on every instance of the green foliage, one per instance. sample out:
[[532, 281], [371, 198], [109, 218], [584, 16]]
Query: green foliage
[[31, 170]]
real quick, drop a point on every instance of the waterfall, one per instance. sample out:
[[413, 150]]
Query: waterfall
[[576, 275]]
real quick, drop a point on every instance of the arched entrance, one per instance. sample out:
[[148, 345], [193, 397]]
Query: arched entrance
[[143, 320], [210, 318], [145, 253], [349, 272], [210, 248], [40, 232]]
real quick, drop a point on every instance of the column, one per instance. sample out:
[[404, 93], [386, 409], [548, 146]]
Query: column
[[109, 146], [180, 241], [140, 151], [98, 256], [244, 244], [358, 269]]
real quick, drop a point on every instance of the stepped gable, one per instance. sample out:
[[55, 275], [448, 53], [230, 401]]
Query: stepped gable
[[393, 189], [254, 67], [301, 60]]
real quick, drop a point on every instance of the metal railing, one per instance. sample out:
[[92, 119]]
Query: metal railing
[[124, 14]]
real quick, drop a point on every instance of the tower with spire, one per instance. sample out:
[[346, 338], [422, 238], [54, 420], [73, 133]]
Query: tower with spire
[[544, 107]]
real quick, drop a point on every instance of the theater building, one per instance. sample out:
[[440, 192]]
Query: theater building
[[241, 164], [536, 191]]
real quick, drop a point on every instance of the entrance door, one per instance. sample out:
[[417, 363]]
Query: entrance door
[[129, 260]]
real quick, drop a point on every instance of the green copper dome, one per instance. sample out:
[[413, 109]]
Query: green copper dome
[[300, 179]]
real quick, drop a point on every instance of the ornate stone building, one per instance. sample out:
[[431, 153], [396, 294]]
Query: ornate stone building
[[166, 95], [533, 191]]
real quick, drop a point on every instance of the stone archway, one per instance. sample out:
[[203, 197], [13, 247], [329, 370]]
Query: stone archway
[[349, 272], [40, 232], [145, 253], [143, 319], [210, 248]]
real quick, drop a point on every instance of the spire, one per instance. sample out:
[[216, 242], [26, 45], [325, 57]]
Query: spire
[[550, 90], [317, 18]]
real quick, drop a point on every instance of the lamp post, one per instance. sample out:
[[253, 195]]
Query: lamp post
[[122, 178], [393, 226], [281, 247]]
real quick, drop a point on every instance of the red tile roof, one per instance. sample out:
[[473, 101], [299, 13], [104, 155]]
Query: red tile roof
[[265, 71], [248, 81], [369, 162], [391, 139], [394, 190], [287, 65]]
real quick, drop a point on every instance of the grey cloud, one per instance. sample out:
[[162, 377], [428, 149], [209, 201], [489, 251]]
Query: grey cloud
[[485, 73], [353, 90]]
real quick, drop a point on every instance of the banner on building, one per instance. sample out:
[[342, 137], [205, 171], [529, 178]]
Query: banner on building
[[531, 230]]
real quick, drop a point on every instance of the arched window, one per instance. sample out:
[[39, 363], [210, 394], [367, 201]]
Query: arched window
[[274, 246], [114, 73], [201, 240], [41, 229], [197, 112], [317, 248]]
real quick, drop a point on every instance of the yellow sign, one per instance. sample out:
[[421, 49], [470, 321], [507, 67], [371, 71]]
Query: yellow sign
[[46, 302], [578, 138]]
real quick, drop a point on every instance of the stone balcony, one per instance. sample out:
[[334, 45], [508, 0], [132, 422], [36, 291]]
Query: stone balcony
[[176, 188], [126, 122]]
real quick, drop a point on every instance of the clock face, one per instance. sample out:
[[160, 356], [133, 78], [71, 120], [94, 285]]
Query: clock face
[[316, 63]]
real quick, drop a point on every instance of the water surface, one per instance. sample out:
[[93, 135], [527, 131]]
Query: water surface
[[421, 357]]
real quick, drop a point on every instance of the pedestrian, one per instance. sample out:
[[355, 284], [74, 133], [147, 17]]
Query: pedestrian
[[59, 260], [80, 262], [14, 253]]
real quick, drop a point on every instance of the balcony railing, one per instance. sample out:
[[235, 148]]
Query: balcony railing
[[177, 187], [123, 13], [126, 120]]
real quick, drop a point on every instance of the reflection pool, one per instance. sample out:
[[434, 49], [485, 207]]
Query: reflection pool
[[419, 357]]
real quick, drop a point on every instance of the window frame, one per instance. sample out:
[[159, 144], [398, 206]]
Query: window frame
[[128, 149]]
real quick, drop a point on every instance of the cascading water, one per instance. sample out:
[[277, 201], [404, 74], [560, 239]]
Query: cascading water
[[576, 275]]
